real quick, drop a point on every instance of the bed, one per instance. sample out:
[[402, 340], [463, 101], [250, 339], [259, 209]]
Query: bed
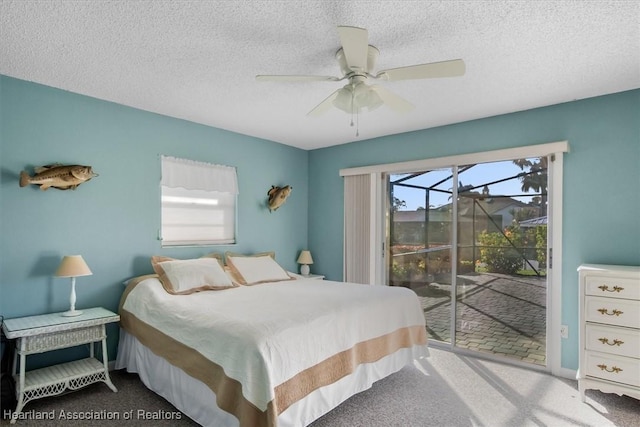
[[261, 348]]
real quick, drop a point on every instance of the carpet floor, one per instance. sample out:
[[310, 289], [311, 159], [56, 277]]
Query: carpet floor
[[446, 390]]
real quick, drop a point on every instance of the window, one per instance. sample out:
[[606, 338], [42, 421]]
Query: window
[[198, 203]]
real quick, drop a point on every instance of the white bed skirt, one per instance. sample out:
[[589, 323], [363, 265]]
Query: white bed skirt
[[197, 401]]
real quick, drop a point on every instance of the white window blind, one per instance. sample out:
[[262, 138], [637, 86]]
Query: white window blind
[[198, 203], [357, 208]]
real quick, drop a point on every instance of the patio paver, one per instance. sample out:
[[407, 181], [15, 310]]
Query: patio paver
[[496, 314]]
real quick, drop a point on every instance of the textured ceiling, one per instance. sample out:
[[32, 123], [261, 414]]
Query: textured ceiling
[[197, 60]]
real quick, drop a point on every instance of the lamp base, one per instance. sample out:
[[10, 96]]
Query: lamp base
[[72, 313], [304, 270]]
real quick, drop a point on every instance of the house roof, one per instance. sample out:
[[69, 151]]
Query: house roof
[[534, 222], [492, 205], [419, 216], [197, 60]]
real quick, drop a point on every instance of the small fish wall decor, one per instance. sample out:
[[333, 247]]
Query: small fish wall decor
[[57, 176], [277, 196]]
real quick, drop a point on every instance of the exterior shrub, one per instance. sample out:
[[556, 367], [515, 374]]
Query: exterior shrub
[[501, 257], [497, 253]]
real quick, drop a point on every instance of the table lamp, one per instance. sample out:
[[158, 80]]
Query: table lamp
[[304, 260], [73, 266]]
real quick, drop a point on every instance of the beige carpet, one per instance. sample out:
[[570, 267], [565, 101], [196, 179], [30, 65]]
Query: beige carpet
[[447, 390]]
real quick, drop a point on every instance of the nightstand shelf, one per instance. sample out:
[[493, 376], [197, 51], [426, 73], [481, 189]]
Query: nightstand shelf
[[55, 379], [39, 334]]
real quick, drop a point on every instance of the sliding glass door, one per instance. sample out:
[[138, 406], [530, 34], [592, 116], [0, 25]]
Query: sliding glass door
[[421, 242], [471, 241]]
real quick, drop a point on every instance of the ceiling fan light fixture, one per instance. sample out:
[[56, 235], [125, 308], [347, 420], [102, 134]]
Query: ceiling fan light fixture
[[354, 98], [342, 100], [368, 98], [357, 60]]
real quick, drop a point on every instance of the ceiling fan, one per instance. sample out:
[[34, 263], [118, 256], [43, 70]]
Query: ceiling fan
[[357, 60]]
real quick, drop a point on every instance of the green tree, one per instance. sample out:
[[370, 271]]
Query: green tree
[[397, 204], [534, 177]]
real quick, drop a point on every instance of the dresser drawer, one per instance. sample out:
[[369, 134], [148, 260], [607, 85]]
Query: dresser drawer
[[613, 287], [613, 340], [620, 369], [612, 311]]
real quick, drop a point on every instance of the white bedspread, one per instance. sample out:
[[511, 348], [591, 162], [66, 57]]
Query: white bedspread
[[265, 334]]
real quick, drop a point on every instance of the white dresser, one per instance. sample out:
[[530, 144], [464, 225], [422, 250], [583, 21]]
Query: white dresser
[[609, 329]]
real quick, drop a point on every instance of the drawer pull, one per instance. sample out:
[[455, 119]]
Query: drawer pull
[[615, 341], [605, 288], [613, 369], [613, 313]]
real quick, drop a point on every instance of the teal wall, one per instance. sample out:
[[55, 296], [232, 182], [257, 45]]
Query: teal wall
[[113, 220], [601, 215]]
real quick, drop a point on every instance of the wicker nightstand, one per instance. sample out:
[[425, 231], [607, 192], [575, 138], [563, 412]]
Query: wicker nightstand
[[310, 276], [39, 334]]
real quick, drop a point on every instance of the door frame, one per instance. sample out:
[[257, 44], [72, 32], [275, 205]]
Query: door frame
[[554, 239]]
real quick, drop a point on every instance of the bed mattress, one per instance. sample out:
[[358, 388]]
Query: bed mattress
[[262, 351]]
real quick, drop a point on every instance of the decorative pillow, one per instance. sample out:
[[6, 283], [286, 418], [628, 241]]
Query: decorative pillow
[[182, 277], [251, 270], [217, 256], [227, 254]]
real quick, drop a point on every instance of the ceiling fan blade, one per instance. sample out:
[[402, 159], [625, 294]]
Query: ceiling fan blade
[[355, 42], [324, 106], [295, 78], [393, 101], [453, 68]]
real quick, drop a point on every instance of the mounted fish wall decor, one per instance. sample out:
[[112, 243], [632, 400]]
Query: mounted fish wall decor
[[58, 176], [277, 196]]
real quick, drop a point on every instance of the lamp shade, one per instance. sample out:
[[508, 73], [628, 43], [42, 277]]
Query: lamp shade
[[305, 258], [356, 97], [73, 266]]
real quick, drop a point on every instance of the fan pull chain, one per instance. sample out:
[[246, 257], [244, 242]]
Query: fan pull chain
[[354, 110], [352, 106], [357, 123]]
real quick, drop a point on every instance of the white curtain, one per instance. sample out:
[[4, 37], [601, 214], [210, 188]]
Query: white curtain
[[198, 203], [193, 175]]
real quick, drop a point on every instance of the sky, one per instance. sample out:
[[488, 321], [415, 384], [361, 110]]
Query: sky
[[478, 175]]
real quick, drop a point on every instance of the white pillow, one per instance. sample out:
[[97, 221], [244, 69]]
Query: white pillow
[[251, 270], [192, 275]]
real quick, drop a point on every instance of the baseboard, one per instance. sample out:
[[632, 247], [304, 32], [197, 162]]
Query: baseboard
[[567, 373]]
